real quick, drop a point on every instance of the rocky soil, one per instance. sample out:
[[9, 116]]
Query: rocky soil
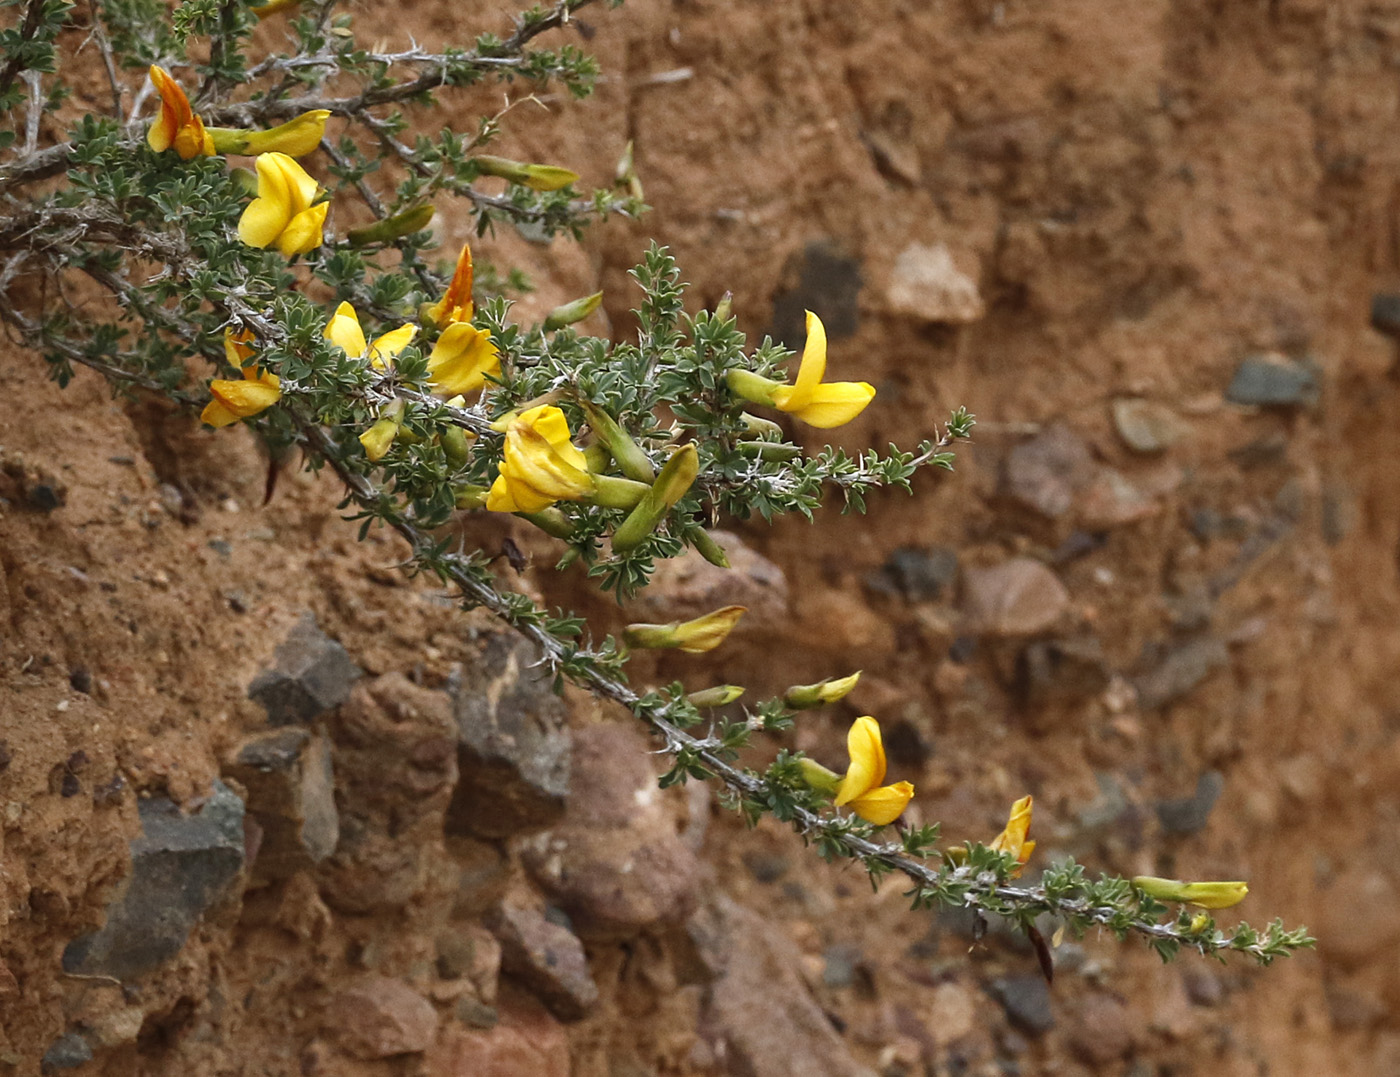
[[267, 807]]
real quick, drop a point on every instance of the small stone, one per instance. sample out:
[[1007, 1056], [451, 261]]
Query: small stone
[[1203, 986], [476, 1014], [821, 278], [839, 965], [1112, 500], [1026, 1000], [1019, 597], [311, 675], [917, 574], [513, 744], [5, 756], [291, 793], [380, 1017], [39, 489], [546, 958], [1146, 426], [1358, 919], [482, 874], [1103, 1031], [181, 865], [1180, 672], [1045, 472], [117, 1027], [766, 867], [952, 1014], [80, 680], [67, 1052], [1385, 314], [472, 953], [1061, 670], [1274, 381], [927, 285], [1189, 815]]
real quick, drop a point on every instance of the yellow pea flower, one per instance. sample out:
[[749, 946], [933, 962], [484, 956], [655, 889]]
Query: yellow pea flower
[[1013, 839], [461, 359], [695, 636], [861, 787], [1209, 895], [233, 400], [343, 330], [541, 465], [177, 125], [296, 138], [456, 303], [536, 177], [815, 402], [283, 212]]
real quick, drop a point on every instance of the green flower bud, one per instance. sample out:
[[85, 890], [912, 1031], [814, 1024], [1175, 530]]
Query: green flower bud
[[571, 312], [391, 228]]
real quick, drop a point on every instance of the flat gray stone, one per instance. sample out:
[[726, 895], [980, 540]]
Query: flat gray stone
[[290, 783], [311, 674], [68, 1052], [1274, 381]]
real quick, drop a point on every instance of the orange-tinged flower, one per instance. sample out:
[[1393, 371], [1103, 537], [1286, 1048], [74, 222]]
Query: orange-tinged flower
[[541, 465], [1013, 839], [283, 212], [233, 400], [456, 303], [177, 125], [461, 359], [815, 402], [861, 787], [343, 330]]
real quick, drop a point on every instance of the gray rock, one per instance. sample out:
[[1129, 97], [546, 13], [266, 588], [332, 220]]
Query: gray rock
[[1385, 314], [917, 574], [1146, 426], [1046, 471], [1274, 381], [68, 1052], [311, 675], [513, 746], [1190, 814], [181, 865], [1061, 670], [1180, 672], [1203, 986], [1026, 1000], [290, 785], [827, 282], [840, 964], [546, 958], [1019, 597]]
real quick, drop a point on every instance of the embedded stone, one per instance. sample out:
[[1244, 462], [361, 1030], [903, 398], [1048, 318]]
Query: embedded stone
[[1026, 1000], [548, 959], [1146, 426], [1179, 672], [689, 586], [68, 1052], [311, 674], [1189, 815], [290, 784], [821, 278], [513, 745], [380, 1017], [181, 865], [1045, 472], [1274, 381], [1019, 597], [927, 285]]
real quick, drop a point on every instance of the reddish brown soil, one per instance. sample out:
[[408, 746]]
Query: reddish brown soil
[[1145, 193]]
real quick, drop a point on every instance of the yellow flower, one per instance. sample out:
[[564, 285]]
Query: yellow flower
[[805, 696], [283, 212], [815, 402], [456, 304], [1211, 895], [861, 788], [234, 400], [541, 465], [461, 359], [1013, 839], [296, 138], [695, 636], [343, 330], [379, 437], [177, 125]]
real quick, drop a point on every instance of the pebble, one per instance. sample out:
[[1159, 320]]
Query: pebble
[[1358, 919], [1045, 472], [380, 1017], [952, 1014], [927, 285], [1019, 597], [916, 573], [311, 674], [1026, 1000], [1274, 381], [1180, 672], [513, 744], [181, 864], [1203, 986], [290, 786], [1189, 815], [67, 1052], [1102, 1032], [547, 959], [1111, 500], [1061, 670], [1146, 426], [827, 280], [839, 965]]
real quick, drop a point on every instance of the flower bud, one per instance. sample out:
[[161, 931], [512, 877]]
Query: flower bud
[[379, 437], [571, 312], [805, 696], [818, 777], [675, 479], [1209, 895], [536, 177], [296, 138], [469, 497], [720, 696], [760, 428], [754, 388], [391, 228], [631, 461], [706, 546], [724, 308], [455, 445], [693, 637], [552, 522]]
